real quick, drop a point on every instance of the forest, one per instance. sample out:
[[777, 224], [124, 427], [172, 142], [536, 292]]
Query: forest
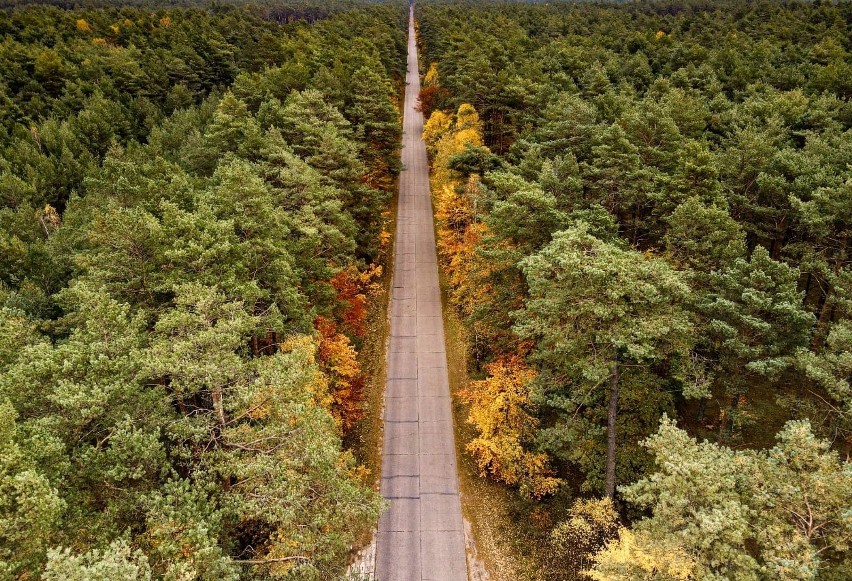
[[644, 225], [192, 218], [644, 218]]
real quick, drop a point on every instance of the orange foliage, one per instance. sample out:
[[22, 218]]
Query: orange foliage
[[430, 97], [500, 406], [500, 410], [338, 360], [455, 205], [459, 232], [459, 235], [336, 355], [352, 287], [384, 240], [49, 219]]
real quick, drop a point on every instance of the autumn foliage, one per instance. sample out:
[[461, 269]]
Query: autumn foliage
[[337, 355], [455, 212], [350, 285], [500, 407], [590, 524], [338, 359], [500, 411], [432, 95]]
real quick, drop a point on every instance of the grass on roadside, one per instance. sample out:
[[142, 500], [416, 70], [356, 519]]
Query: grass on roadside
[[506, 542]]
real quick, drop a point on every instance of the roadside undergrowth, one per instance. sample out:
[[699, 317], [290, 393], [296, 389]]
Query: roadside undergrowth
[[510, 548]]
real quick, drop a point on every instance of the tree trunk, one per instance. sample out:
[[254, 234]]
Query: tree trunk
[[732, 411], [219, 406], [823, 319], [808, 281], [610, 433], [826, 310]]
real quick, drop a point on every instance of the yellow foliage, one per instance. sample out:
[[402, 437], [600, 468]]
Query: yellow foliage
[[341, 357], [165, 21], [370, 280], [280, 551], [499, 409], [468, 118], [99, 41], [459, 236], [319, 384], [499, 406], [590, 523], [454, 208], [436, 127], [49, 219], [431, 78], [115, 28], [83, 26], [660, 34], [446, 137], [338, 359], [465, 270], [635, 555], [468, 135]]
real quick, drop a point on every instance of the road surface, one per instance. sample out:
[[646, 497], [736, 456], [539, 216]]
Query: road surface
[[421, 535]]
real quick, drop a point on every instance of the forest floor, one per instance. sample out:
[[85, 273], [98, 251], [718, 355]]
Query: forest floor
[[365, 440], [506, 549]]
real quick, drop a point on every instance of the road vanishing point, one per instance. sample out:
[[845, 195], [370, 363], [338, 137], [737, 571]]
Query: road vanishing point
[[421, 535]]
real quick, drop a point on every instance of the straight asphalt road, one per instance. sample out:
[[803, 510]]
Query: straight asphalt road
[[421, 536]]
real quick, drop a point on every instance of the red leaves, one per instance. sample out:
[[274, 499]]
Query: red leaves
[[430, 97], [352, 288], [338, 360], [337, 356], [348, 285]]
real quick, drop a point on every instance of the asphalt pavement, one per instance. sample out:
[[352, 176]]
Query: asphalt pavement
[[421, 535]]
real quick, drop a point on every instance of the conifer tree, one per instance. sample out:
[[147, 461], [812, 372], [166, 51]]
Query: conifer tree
[[596, 311]]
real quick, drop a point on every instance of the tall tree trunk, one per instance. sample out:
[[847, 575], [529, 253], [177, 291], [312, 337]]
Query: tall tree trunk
[[777, 244], [732, 411], [610, 433], [808, 281], [821, 327], [702, 410], [826, 309], [218, 405]]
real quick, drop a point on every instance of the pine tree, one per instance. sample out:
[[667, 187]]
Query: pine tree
[[596, 310], [754, 323], [718, 513]]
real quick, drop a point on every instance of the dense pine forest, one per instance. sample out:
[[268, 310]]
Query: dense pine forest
[[645, 218], [192, 220], [644, 224]]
